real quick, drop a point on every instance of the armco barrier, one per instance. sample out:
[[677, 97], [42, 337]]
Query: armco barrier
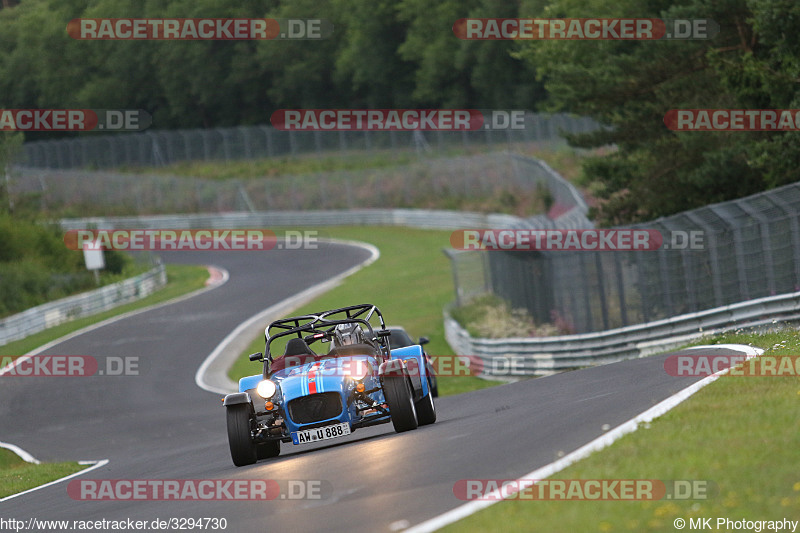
[[414, 218], [51, 314], [545, 355]]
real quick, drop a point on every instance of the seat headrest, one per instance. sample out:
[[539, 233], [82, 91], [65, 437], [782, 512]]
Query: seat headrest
[[353, 349], [297, 347]]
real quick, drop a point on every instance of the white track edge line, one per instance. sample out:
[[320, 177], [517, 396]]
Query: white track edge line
[[22, 454], [584, 451]]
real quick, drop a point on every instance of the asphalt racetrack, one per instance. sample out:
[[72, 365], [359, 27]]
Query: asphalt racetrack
[[160, 425]]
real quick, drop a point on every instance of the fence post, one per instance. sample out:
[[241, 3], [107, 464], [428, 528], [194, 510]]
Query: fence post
[[766, 249], [598, 261], [245, 133], [454, 267], [713, 256], [587, 302], [688, 274], [791, 214], [623, 308], [666, 289], [744, 292]]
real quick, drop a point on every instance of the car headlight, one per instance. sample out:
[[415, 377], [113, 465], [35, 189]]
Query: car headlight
[[266, 389]]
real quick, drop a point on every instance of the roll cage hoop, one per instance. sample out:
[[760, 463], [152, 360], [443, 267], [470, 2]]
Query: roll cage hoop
[[318, 326]]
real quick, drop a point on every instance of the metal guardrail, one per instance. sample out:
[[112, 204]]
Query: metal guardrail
[[414, 218], [540, 356], [51, 314]]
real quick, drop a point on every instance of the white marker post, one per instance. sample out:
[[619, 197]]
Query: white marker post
[[93, 255]]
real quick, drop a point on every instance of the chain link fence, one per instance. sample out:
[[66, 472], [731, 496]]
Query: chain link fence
[[159, 148], [744, 249], [481, 182]]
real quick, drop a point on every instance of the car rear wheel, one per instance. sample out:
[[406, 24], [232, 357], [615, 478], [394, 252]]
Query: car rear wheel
[[243, 449], [268, 449], [401, 403], [433, 383], [426, 411]]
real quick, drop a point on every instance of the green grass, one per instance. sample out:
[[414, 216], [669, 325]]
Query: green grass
[[181, 279], [16, 475], [739, 433], [283, 165], [410, 283], [563, 158]]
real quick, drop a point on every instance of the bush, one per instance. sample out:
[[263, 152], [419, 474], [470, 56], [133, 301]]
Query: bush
[[115, 261], [36, 266], [491, 317]]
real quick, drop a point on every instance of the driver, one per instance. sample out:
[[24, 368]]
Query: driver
[[348, 334]]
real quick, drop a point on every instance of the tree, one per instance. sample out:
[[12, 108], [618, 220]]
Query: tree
[[454, 73], [368, 65], [631, 85]]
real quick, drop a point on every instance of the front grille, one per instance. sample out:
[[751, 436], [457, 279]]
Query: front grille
[[315, 407]]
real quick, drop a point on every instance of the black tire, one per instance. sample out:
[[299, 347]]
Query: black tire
[[243, 449], [426, 411], [401, 403], [433, 385], [268, 449]]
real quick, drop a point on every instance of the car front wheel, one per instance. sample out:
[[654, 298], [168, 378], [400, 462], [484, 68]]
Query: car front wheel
[[401, 403], [243, 449], [426, 411]]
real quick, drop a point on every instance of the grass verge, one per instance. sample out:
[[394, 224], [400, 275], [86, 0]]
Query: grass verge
[[559, 156], [410, 283], [17, 476], [283, 165], [739, 433]]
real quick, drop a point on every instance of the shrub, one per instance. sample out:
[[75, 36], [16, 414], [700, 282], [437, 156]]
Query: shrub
[[491, 317]]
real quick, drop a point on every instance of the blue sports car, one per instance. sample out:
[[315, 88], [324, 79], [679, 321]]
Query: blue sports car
[[353, 379]]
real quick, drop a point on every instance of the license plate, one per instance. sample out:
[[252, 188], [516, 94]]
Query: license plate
[[322, 433]]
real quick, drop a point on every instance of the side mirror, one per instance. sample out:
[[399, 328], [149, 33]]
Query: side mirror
[[424, 340], [258, 356]]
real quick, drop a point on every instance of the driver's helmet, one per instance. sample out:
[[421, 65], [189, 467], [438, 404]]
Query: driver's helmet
[[347, 334]]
